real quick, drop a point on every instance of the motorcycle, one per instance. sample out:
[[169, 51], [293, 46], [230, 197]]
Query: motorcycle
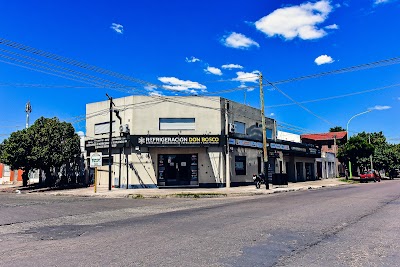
[[258, 180]]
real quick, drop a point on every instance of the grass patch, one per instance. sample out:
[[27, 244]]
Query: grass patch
[[199, 195], [350, 181]]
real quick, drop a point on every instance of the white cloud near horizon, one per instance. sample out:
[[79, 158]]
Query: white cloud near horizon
[[272, 114], [332, 27], [296, 21], [118, 28], [323, 59], [378, 107], [175, 84], [239, 41], [232, 66], [192, 59], [247, 76], [213, 70]]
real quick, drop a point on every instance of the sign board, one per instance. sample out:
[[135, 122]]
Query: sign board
[[96, 159], [116, 141], [245, 143], [177, 140]]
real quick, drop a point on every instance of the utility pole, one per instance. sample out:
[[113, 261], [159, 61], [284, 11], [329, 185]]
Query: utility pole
[[28, 110], [264, 132], [227, 154], [370, 156], [335, 150], [109, 143]]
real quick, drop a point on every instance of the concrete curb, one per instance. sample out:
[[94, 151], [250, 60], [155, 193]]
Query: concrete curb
[[236, 192]]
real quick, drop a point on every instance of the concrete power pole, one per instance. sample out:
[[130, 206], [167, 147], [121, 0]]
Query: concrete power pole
[[370, 156], [109, 143], [28, 110], [264, 132]]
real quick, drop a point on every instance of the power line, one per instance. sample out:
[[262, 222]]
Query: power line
[[297, 103], [75, 73], [375, 64], [72, 62], [337, 96], [61, 74]]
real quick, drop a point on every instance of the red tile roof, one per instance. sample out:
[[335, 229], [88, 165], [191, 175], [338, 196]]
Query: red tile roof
[[324, 136]]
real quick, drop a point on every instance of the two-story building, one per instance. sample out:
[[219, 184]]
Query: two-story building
[[183, 141]]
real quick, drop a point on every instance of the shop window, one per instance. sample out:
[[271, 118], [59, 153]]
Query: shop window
[[177, 124], [240, 165], [104, 128], [240, 127], [269, 133]]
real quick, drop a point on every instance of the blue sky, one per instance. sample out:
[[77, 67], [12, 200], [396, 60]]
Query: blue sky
[[204, 47]]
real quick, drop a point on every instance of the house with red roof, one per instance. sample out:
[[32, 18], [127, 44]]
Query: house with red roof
[[328, 166]]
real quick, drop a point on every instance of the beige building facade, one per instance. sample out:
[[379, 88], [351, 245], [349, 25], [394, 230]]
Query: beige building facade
[[187, 141], [176, 141]]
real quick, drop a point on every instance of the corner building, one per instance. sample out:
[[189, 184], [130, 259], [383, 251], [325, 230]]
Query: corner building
[[178, 141]]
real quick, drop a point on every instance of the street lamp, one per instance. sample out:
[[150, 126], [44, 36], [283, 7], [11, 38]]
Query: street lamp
[[347, 130]]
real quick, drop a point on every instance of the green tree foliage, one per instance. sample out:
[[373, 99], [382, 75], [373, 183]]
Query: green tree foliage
[[385, 156], [337, 129], [354, 150], [47, 145]]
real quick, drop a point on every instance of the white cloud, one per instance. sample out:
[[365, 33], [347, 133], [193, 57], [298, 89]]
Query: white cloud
[[296, 21], [380, 107], [272, 114], [377, 2], [332, 27], [192, 59], [238, 40], [152, 90], [176, 84], [247, 76], [231, 66], [323, 59], [117, 28], [398, 98], [213, 70], [247, 88], [80, 133]]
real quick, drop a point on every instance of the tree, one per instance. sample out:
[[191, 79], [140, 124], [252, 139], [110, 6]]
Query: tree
[[354, 150], [385, 156], [337, 129], [47, 145], [56, 144]]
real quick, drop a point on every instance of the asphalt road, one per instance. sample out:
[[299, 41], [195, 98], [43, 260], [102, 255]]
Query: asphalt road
[[351, 225]]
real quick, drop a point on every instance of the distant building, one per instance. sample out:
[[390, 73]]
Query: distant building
[[8, 176], [328, 166]]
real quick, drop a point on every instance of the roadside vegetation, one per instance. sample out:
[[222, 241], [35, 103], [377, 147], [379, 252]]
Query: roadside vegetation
[[48, 145], [359, 148]]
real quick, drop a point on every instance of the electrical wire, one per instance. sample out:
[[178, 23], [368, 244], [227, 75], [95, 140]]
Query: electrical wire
[[337, 96], [297, 103]]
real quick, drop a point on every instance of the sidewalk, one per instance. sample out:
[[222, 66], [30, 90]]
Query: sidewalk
[[190, 193]]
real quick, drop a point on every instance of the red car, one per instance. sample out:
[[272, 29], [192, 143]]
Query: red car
[[371, 175]]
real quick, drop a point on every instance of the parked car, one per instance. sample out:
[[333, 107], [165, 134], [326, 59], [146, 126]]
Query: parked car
[[394, 173], [370, 175]]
